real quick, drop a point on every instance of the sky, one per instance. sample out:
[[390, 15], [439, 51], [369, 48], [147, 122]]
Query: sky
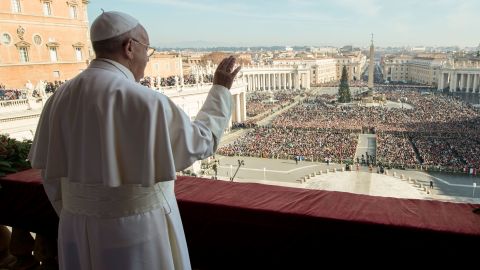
[[396, 23]]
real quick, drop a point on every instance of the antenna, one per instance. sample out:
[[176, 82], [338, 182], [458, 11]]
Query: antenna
[[372, 38]]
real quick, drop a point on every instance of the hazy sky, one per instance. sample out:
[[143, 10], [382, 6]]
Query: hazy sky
[[303, 22]]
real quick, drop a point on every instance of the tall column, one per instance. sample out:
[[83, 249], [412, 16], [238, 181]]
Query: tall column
[[462, 81], [269, 81], [253, 81], [475, 82], [264, 81], [290, 80], [280, 81], [452, 81], [238, 113], [274, 82], [243, 106], [259, 81], [234, 108], [440, 81], [468, 82]]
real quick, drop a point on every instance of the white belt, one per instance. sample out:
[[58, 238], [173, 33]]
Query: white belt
[[101, 201]]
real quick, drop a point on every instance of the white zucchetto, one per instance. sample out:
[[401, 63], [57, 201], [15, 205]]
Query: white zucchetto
[[111, 24]]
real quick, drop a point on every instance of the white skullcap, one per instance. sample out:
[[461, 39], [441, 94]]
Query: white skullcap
[[111, 24]]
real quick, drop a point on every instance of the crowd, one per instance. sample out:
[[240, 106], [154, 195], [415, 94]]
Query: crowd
[[261, 102], [286, 143], [156, 82], [434, 130]]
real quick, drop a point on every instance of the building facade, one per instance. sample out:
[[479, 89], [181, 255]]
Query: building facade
[[321, 70], [42, 40], [421, 68], [163, 65], [460, 75], [355, 63]]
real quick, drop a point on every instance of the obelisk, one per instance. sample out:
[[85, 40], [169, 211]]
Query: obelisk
[[371, 66]]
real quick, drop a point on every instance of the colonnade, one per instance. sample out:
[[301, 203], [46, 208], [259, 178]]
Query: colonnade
[[460, 80], [263, 78]]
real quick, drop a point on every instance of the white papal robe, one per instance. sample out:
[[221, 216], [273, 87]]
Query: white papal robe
[[109, 148]]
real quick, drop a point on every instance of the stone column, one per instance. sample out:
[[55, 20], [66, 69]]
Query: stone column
[[282, 81], [290, 80], [454, 81], [475, 82], [234, 108], [238, 109], [297, 80], [264, 81], [462, 81], [273, 82], [268, 81], [243, 106], [229, 124], [468, 82], [258, 82], [452, 86]]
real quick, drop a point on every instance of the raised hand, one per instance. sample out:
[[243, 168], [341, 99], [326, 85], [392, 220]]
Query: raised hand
[[224, 75]]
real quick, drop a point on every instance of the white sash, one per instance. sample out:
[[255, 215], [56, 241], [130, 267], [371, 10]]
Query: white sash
[[100, 201]]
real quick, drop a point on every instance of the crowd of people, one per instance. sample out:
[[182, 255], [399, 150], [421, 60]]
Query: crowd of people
[[286, 143], [14, 94], [155, 82], [433, 130], [261, 102]]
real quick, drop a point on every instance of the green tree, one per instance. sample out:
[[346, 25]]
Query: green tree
[[344, 94]]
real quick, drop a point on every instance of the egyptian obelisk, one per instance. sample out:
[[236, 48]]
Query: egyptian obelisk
[[371, 66]]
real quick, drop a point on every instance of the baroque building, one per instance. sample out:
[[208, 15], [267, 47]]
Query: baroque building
[[42, 40]]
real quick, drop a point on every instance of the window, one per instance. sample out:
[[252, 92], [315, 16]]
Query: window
[[23, 54], [16, 7], [53, 54], [6, 39], [56, 74], [73, 11], [37, 40], [47, 9], [78, 53]]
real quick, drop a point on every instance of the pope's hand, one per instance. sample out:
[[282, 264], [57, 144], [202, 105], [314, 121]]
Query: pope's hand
[[224, 75]]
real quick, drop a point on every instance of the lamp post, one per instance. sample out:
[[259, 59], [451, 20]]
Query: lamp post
[[241, 162]]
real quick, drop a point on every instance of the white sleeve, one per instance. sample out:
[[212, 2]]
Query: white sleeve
[[53, 189], [199, 139]]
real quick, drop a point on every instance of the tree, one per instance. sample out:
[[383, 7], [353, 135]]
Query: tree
[[344, 94]]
